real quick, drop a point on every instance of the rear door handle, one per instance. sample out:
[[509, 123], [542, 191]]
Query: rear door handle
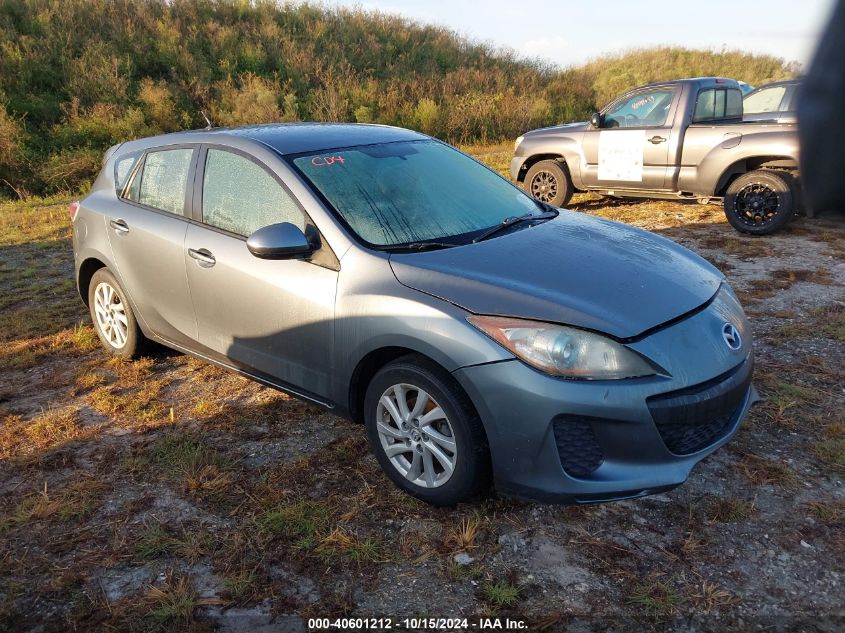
[[120, 226], [656, 139], [203, 256]]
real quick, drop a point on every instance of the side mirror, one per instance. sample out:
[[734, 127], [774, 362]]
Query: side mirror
[[279, 241], [597, 120]]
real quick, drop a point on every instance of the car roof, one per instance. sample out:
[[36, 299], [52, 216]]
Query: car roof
[[288, 138], [774, 84]]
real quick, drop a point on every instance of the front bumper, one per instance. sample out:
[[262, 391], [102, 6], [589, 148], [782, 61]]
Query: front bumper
[[571, 441], [516, 166]]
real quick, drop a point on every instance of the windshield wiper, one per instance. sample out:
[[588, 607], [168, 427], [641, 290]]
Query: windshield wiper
[[417, 246], [511, 221]]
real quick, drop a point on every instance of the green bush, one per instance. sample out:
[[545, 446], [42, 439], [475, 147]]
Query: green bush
[[77, 76]]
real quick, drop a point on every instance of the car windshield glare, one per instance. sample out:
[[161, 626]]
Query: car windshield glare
[[413, 191]]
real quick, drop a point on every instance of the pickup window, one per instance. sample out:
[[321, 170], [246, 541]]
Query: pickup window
[[648, 108], [718, 103]]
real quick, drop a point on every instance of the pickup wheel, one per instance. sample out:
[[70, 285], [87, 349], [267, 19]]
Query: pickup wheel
[[760, 202], [549, 182]]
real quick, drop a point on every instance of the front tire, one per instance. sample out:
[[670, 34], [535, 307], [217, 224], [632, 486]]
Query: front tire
[[112, 315], [760, 202], [425, 432], [549, 181]]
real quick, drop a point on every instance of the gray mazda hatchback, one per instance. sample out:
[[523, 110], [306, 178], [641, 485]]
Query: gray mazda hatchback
[[481, 336]]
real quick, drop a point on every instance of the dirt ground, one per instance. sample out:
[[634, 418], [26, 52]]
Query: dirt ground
[[167, 494]]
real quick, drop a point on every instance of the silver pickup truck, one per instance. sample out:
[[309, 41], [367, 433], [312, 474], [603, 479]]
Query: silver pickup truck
[[682, 139]]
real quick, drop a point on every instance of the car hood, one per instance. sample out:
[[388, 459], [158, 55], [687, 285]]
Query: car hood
[[563, 127], [576, 270]]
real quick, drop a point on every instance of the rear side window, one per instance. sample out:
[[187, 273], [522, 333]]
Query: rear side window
[[240, 196], [123, 167], [765, 100], [718, 103], [163, 180]]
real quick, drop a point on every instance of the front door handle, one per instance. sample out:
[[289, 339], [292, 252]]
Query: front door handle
[[656, 139], [203, 256], [120, 226]]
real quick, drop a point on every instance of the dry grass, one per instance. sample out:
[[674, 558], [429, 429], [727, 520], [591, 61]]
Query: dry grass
[[20, 437], [463, 536]]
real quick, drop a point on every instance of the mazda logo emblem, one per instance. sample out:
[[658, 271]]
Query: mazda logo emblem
[[731, 336]]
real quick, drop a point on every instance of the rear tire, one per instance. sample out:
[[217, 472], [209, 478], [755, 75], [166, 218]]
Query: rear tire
[[112, 315], [549, 182], [425, 432], [760, 202]]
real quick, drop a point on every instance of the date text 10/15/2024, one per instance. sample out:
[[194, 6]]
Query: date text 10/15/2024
[[417, 624]]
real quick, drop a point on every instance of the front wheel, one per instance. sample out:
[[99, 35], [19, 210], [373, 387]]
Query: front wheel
[[425, 432], [760, 202], [549, 182]]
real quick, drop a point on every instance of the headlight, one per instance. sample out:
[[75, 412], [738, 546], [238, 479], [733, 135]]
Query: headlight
[[519, 140], [564, 351]]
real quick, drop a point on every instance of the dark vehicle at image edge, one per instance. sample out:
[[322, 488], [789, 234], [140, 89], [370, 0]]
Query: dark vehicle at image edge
[[481, 335]]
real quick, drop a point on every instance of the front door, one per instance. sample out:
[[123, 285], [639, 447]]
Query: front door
[[273, 316], [631, 149], [146, 229]]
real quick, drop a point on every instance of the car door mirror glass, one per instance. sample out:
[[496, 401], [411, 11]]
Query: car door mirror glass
[[596, 120], [279, 241]]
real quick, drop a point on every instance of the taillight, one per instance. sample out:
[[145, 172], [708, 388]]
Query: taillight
[[74, 209]]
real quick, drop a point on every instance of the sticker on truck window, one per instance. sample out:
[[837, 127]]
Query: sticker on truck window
[[621, 155]]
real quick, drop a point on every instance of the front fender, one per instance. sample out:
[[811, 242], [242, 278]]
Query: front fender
[[549, 144]]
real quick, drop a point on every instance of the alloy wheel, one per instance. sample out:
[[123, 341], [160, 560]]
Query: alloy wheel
[[111, 315], [544, 186], [416, 435]]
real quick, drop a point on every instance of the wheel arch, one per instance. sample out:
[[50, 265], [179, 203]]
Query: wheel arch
[[536, 158], [752, 163], [86, 271], [369, 366]]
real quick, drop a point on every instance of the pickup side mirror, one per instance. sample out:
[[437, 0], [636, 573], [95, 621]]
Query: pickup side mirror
[[279, 241], [597, 120]]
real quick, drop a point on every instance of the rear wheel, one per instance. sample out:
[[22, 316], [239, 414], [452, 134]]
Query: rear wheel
[[112, 315], [549, 182], [425, 432], [760, 202]]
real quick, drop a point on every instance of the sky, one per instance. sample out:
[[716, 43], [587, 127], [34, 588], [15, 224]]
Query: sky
[[570, 32]]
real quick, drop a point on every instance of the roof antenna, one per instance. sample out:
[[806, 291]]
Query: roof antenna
[[207, 121]]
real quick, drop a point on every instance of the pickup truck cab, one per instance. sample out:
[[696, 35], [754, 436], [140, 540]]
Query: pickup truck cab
[[682, 139]]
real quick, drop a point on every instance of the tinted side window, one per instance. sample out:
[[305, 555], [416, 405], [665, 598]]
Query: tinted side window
[[644, 109], [163, 180], [240, 196], [718, 103]]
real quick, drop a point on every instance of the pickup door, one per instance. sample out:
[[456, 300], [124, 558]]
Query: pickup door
[[630, 150]]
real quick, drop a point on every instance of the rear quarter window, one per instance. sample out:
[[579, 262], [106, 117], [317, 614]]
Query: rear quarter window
[[123, 167]]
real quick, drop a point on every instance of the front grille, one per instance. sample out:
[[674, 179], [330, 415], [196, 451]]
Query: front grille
[[693, 418], [579, 452]]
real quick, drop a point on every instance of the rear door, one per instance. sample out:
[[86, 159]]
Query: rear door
[[146, 231], [273, 316], [631, 149]]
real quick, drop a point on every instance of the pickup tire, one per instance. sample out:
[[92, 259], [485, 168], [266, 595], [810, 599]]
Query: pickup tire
[[760, 202], [549, 182]]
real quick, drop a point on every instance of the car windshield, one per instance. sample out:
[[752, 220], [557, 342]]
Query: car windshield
[[413, 191]]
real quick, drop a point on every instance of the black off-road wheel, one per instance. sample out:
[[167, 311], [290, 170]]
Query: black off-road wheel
[[425, 432], [549, 182], [760, 202]]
